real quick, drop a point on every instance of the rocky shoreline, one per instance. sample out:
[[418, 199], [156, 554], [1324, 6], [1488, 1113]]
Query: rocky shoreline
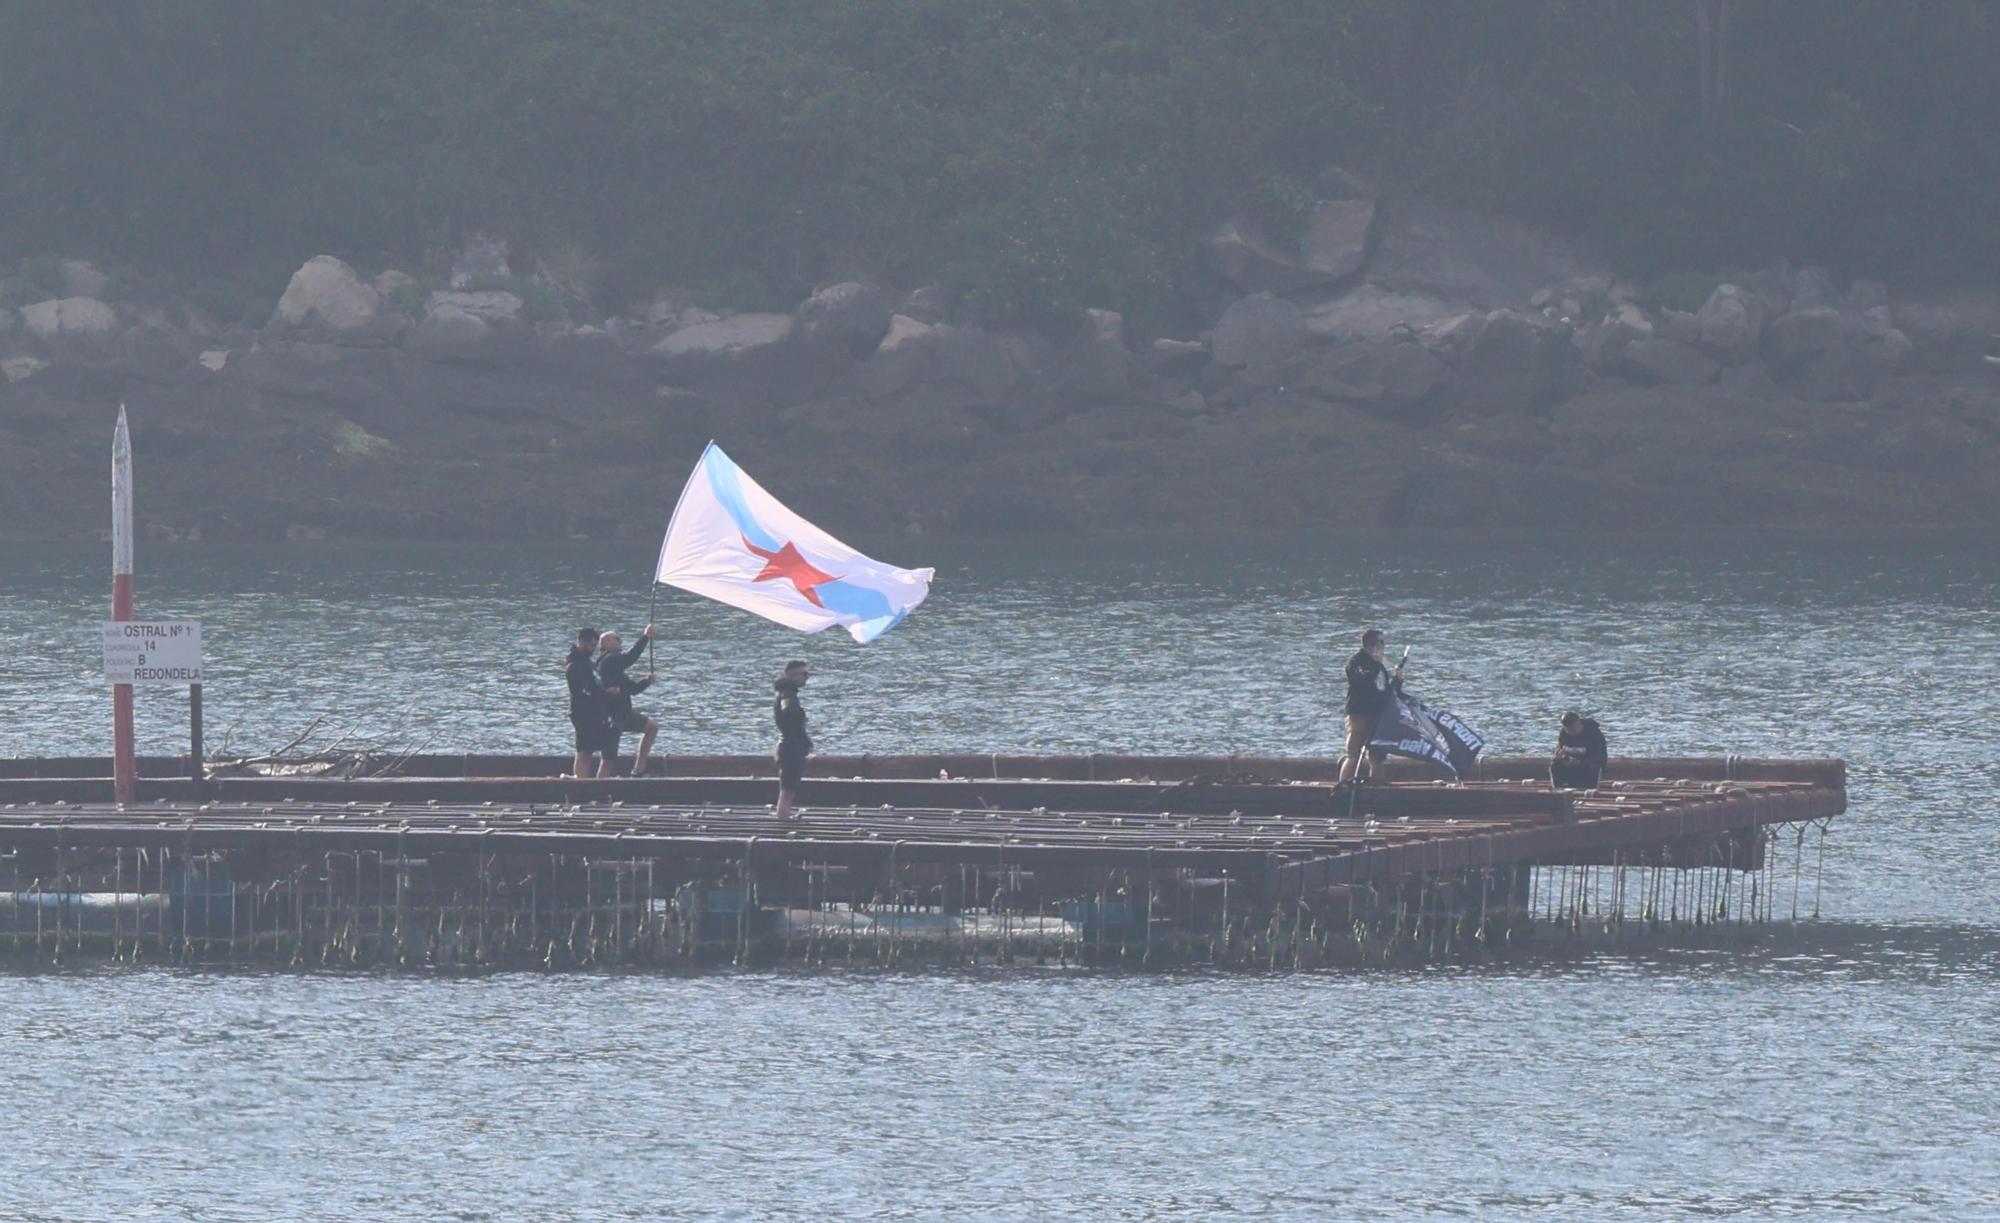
[[1398, 365]]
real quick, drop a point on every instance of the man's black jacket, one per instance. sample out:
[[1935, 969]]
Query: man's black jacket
[[611, 674]]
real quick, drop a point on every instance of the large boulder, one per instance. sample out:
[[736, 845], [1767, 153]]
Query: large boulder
[[1391, 373], [1336, 246], [902, 330], [1371, 312], [1826, 354], [326, 300], [741, 340], [1337, 237], [1657, 359], [1258, 333], [952, 365], [1633, 316], [1886, 344], [850, 317], [74, 328], [1731, 323], [1803, 334], [1517, 364], [901, 360], [1453, 338], [451, 334], [1679, 325], [69, 317], [497, 306]]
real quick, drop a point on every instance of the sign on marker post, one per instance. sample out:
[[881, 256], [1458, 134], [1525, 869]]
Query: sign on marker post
[[160, 653], [165, 653]]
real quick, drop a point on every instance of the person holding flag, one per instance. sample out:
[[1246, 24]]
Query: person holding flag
[[619, 689], [1371, 689]]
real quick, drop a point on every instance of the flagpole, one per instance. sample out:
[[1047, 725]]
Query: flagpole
[[124, 766], [652, 606]]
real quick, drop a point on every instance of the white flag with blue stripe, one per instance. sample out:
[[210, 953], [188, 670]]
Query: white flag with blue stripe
[[737, 544]]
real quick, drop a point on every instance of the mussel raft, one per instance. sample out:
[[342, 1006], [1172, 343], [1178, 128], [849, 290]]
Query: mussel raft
[[468, 862]]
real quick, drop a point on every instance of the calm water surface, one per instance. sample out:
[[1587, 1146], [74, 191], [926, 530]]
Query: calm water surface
[[1845, 1067]]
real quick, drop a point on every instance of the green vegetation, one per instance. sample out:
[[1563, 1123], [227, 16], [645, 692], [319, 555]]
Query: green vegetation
[[351, 441], [412, 294], [1040, 154]]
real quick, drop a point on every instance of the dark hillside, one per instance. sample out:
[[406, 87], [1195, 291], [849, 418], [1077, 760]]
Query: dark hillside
[[1038, 154]]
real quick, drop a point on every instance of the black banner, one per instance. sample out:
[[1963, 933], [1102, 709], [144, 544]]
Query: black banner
[[1411, 728]]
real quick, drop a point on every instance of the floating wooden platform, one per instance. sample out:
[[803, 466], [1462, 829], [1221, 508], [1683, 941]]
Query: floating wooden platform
[[1226, 858]]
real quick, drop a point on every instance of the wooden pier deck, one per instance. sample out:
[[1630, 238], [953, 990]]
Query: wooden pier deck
[[1158, 849]]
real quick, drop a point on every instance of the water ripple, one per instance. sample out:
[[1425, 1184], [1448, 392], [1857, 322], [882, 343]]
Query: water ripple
[[1835, 1068]]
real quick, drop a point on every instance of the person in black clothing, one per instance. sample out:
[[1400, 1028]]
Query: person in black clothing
[[1370, 688], [794, 745], [1581, 754], [619, 689], [588, 712]]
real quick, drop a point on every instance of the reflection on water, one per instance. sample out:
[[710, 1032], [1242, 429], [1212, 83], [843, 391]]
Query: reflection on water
[[1836, 1068]]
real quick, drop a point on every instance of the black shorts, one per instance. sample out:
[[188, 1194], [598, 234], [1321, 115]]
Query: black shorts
[[791, 767], [1575, 777], [595, 737], [633, 723]]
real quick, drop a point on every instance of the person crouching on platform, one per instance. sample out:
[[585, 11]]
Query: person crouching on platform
[[794, 745], [619, 689], [589, 715], [1370, 688], [1581, 754]]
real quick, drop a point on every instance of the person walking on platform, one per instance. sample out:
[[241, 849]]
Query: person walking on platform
[[589, 715], [794, 745], [1581, 754], [619, 689], [1371, 685]]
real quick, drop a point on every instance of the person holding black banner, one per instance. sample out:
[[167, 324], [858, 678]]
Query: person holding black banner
[[1581, 754], [1371, 686]]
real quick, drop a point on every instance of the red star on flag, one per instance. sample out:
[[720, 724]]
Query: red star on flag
[[787, 564]]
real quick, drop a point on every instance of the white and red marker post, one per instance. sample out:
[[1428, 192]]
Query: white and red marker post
[[124, 764]]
